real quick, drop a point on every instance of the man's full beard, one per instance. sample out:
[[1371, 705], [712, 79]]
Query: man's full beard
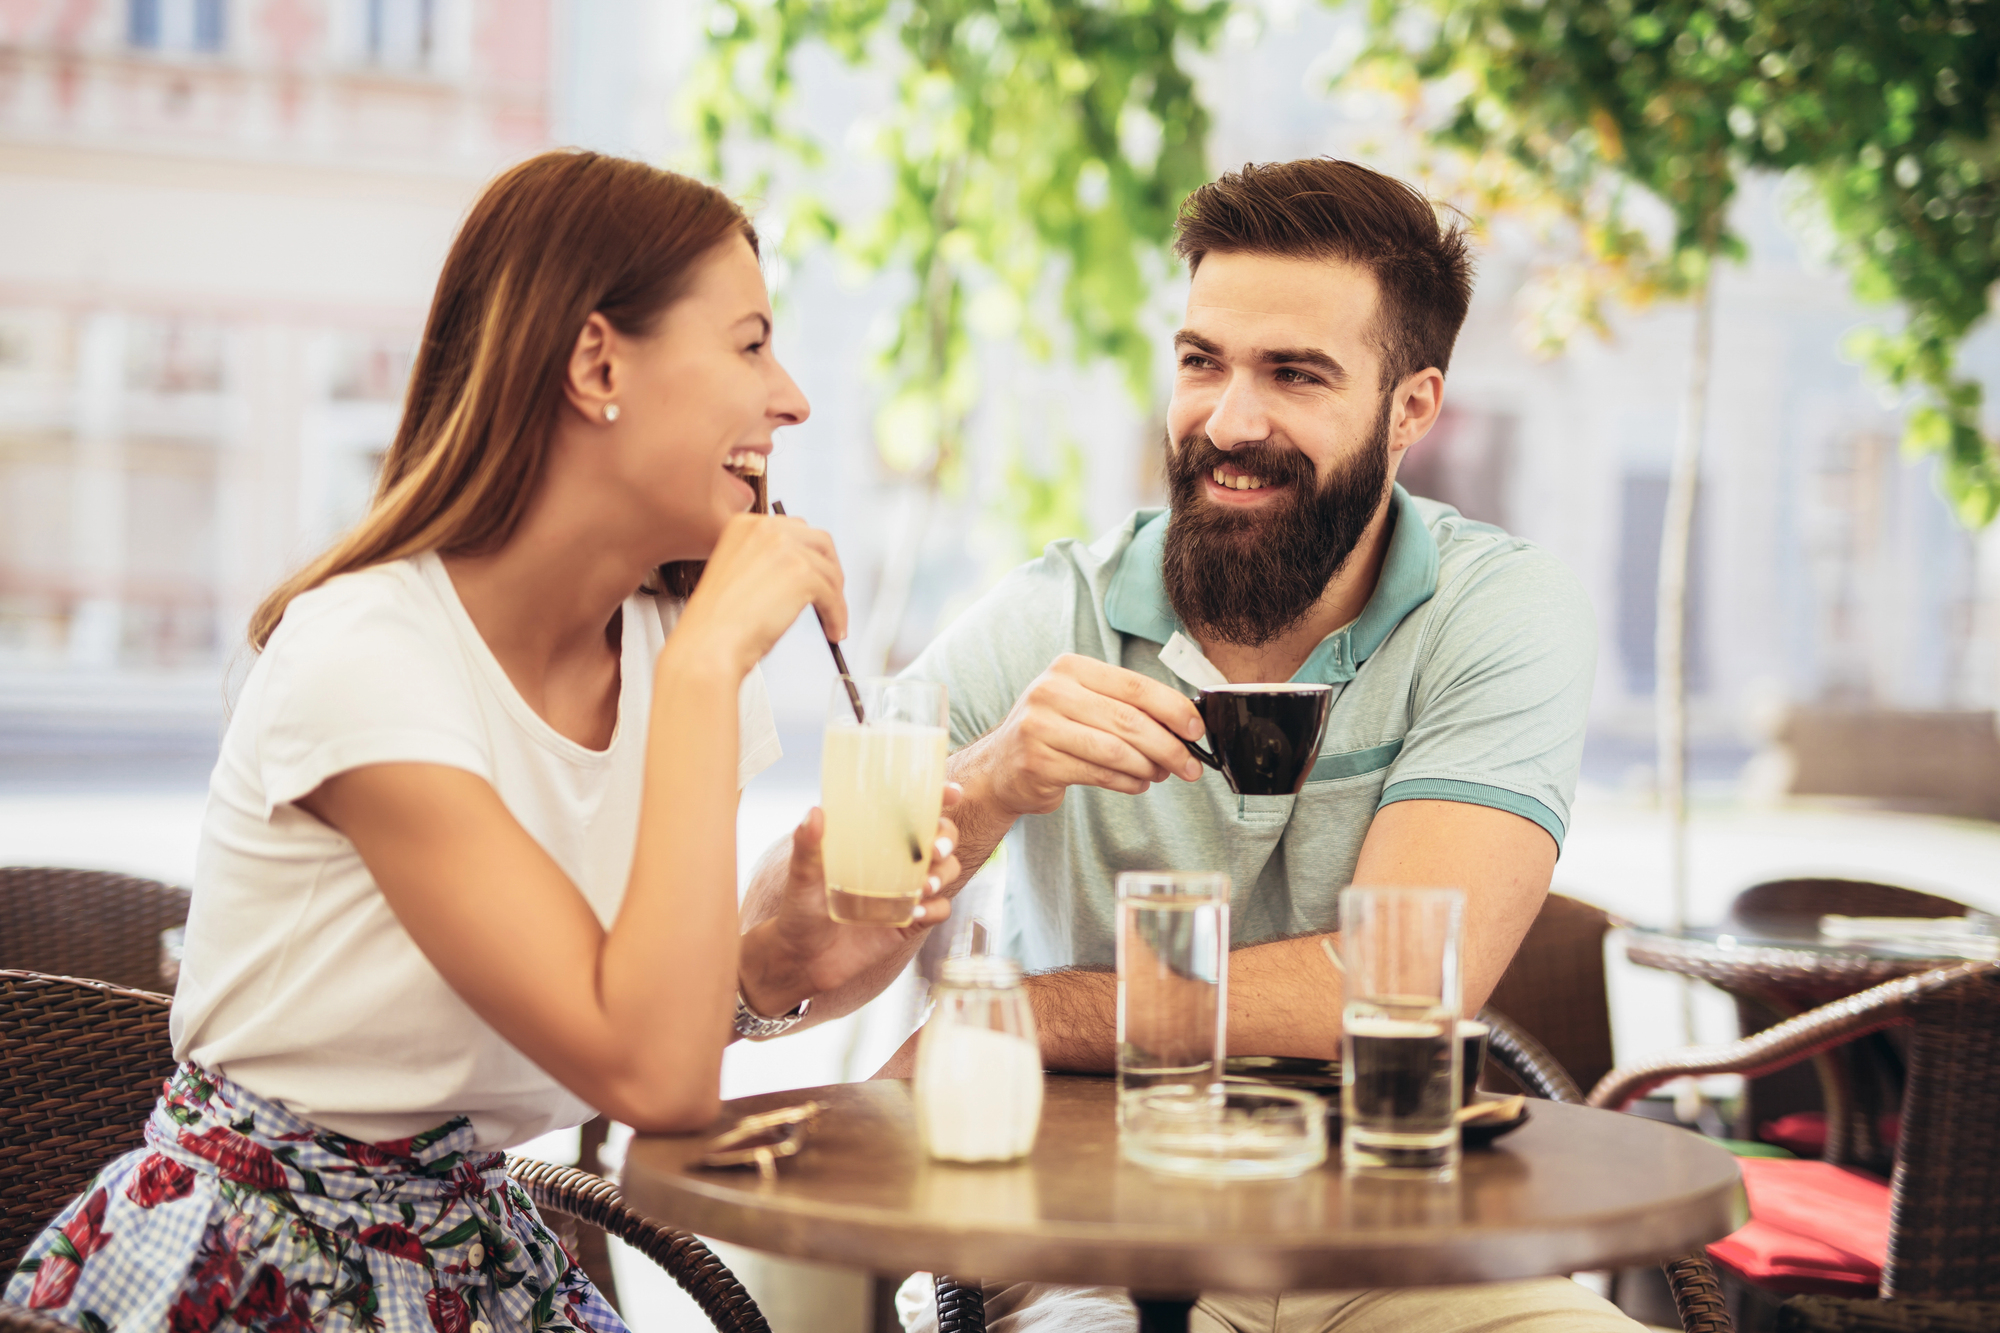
[[1244, 576]]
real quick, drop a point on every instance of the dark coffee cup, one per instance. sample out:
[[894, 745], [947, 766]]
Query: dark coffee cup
[[1263, 738], [1472, 1037]]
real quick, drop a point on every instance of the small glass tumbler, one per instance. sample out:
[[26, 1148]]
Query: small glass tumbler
[[979, 1065], [1400, 1066], [882, 786], [1173, 981]]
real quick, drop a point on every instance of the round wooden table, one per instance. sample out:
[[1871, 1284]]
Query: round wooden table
[[1574, 1188]]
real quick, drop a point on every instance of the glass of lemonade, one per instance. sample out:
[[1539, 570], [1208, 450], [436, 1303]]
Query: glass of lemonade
[[882, 787]]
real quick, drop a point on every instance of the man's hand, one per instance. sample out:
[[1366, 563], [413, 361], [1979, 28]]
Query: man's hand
[[801, 951], [1085, 723]]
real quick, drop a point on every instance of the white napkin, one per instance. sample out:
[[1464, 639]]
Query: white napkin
[[1184, 658]]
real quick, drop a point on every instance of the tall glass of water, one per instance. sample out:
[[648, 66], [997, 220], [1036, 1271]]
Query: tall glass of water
[[882, 787], [1399, 1070], [1173, 982]]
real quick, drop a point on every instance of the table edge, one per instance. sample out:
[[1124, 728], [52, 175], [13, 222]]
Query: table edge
[[1082, 1253]]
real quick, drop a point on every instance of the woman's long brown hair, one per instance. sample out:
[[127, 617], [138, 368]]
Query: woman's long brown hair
[[549, 242]]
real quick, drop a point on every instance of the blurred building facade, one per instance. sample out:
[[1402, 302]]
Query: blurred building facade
[[220, 221], [219, 224]]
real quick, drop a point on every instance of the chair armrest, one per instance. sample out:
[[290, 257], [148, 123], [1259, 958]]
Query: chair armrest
[[1791, 1041], [20, 1319], [1514, 1050], [1839, 1314], [961, 1304], [1697, 1292], [592, 1198]]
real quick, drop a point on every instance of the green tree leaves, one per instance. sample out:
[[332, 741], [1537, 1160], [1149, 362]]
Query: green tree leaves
[[1040, 147], [1890, 109]]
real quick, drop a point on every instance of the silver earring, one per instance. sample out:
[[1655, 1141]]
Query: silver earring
[[611, 411]]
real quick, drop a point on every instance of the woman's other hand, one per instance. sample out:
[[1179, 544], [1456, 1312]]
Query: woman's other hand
[[801, 951], [763, 572]]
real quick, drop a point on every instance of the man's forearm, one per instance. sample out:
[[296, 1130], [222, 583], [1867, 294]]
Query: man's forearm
[[1076, 1017], [1284, 1000]]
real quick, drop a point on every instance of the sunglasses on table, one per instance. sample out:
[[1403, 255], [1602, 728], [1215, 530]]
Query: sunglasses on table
[[762, 1140]]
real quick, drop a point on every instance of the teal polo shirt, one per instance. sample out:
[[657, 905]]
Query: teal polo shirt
[[1466, 677]]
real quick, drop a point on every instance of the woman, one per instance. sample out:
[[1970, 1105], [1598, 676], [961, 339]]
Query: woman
[[467, 869]]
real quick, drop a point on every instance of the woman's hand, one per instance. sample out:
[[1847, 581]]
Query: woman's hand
[[762, 573], [801, 951]]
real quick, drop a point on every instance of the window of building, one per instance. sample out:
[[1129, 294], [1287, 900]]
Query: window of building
[[399, 34], [210, 25], [177, 25], [142, 24], [1643, 503]]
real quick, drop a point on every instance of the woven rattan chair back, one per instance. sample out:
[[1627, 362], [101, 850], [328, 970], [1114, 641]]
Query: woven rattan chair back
[[86, 923], [1944, 1233], [1801, 902], [1554, 988], [81, 1063]]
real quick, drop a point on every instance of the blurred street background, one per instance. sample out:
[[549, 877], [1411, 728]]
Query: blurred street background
[[220, 222]]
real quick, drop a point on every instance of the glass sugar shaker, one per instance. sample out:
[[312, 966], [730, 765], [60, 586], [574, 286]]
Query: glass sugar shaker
[[979, 1064]]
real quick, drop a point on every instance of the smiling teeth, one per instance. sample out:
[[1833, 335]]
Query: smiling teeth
[[1239, 483], [745, 463]]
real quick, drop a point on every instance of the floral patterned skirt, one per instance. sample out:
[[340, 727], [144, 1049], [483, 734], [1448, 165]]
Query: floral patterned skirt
[[238, 1215]]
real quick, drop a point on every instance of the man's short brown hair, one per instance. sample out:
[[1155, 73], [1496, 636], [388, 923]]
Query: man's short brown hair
[[1323, 208]]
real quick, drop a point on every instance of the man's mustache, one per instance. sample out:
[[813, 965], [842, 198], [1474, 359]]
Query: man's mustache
[[1276, 464]]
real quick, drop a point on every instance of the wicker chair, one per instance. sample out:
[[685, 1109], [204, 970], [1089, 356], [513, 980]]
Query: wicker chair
[[81, 1063], [1853, 1085], [1944, 1232], [90, 923], [1554, 987], [86, 923], [14, 1319]]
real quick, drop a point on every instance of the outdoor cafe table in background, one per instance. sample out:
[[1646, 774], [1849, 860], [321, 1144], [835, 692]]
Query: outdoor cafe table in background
[[1788, 967], [1573, 1189], [1797, 967]]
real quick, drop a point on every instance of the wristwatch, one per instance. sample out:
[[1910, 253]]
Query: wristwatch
[[751, 1024]]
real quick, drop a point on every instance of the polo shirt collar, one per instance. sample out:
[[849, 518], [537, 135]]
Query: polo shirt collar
[[1136, 603]]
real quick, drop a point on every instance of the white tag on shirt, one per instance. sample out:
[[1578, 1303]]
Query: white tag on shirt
[[1185, 659]]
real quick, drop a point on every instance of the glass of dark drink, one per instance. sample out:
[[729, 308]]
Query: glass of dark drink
[[1400, 1060]]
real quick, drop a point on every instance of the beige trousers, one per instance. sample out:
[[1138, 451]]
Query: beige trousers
[[1543, 1305]]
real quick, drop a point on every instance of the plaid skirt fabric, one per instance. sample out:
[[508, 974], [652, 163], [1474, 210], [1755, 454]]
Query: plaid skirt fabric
[[238, 1215]]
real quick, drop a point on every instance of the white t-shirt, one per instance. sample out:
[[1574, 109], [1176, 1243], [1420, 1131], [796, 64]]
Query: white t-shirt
[[298, 981]]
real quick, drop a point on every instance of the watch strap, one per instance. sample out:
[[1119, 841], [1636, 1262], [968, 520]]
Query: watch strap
[[753, 1025]]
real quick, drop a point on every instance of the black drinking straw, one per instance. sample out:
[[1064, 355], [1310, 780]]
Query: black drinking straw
[[839, 661]]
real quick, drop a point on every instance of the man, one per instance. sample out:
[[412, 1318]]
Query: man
[[1324, 302]]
